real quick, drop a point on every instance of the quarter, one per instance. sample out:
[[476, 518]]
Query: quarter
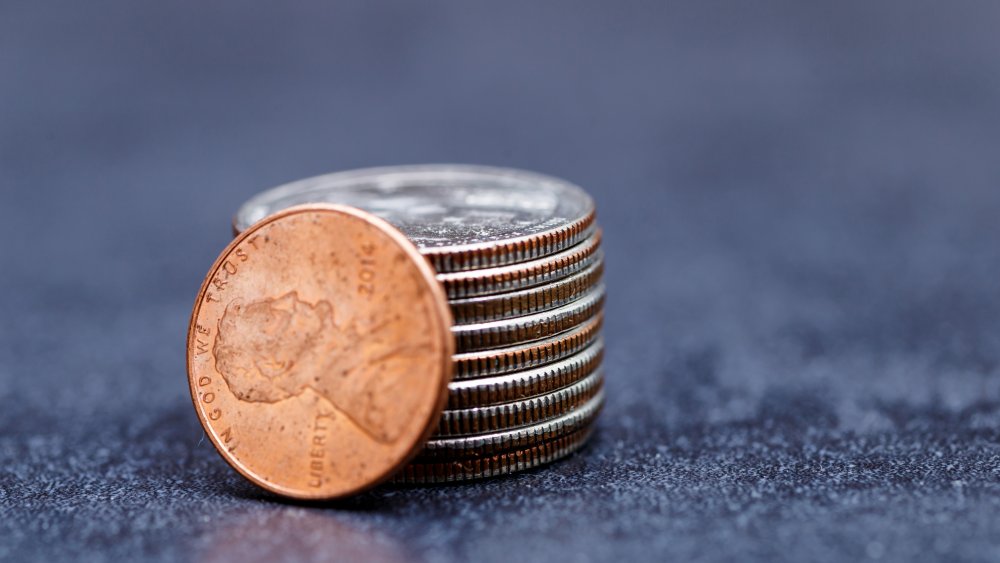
[[481, 445], [499, 361], [460, 217], [529, 328], [490, 281], [448, 471], [517, 386], [506, 416], [526, 301]]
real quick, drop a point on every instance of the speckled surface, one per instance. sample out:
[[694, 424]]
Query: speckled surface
[[800, 206]]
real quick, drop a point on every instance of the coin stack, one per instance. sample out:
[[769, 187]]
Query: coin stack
[[518, 255]]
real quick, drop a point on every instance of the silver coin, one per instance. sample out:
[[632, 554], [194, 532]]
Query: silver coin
[[515, 277], [495, 442], [431, 471], [499, 361], [527, 301], [521, 385], [460, 217], [507, 416], [519, 330]]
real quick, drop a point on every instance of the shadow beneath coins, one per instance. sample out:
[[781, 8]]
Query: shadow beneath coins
[[401, 494]]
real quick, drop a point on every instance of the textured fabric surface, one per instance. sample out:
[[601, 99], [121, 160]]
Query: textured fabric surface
[[801, 209]]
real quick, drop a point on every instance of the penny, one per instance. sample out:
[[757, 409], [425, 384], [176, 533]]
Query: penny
[[428, 472], [507, 440], [319, 352], [460, 217], [517, 386], [499, 361], [509, 332], [526, 301], [490, 281], [506, 416]]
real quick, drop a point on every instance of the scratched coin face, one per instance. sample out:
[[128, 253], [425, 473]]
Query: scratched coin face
[[319, 352], [460, 217]]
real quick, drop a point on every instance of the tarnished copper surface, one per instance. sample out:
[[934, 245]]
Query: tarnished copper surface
[[319, 352]]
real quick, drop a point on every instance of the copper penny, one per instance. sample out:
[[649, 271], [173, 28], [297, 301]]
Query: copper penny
[[319, 352]]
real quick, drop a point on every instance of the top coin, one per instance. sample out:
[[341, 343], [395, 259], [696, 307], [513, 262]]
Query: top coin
[[319, 352], [460, 217]]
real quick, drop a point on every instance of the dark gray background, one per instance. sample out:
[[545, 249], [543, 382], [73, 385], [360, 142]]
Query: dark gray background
[[801, 207]]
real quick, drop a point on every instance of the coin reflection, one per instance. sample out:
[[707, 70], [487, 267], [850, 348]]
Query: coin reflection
[[297, 534]]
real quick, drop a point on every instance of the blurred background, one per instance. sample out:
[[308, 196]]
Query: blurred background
[[800, 203]]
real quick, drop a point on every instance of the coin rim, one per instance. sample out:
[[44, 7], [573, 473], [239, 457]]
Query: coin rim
[[474, 421], [529, 301], [480, 445], [503, 333], [479, 255], [512, 387], [497, 362], [514, 250], [525, 275], [433, 472], [443, 319]]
